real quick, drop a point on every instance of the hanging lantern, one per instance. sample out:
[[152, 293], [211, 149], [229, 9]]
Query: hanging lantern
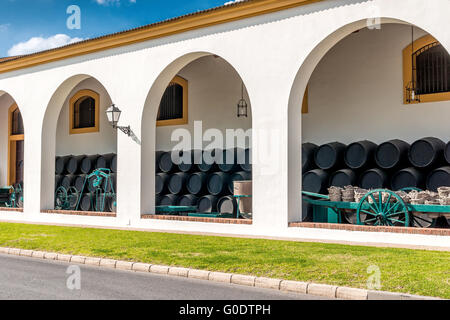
[[242, 107], [412, 92]]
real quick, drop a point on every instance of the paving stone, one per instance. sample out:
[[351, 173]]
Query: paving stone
[[141, 267], [243, 280], [322, 290], [294, 286], [14, 251], [4, 250], [179, 272], [78, 259], [220, 277], [198, 274], [50, 256], [38, 254], [159, 269], [351, 293], [92, 261], [124, 265], [108, 263], [267, 283], [64, 257], [26, 253]]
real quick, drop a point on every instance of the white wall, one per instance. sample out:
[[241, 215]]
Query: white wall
[[356, 93], [5, 102], [214, 89], [101, 142]]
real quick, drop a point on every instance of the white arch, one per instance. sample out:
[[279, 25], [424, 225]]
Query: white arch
[[149, 117], [305, 70]]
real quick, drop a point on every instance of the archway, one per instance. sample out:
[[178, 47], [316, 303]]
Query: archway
[[355, 84], [76, 138], [212, 89]]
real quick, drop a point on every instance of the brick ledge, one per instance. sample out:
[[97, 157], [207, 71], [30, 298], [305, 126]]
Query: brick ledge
[[197, 219], [82, 213], [11, 209], [351, 227]]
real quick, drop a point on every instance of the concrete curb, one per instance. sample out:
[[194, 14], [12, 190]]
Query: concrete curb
[[298, 287]]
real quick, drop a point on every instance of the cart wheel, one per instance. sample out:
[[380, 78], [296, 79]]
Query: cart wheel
[[382, 208], [72, 198], [422, 220], [60, 198]]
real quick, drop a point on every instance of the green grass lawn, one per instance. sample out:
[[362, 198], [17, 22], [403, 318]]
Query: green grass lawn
[[411, 271]]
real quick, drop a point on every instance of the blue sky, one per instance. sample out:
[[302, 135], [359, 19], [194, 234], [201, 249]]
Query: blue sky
[[33, 25]]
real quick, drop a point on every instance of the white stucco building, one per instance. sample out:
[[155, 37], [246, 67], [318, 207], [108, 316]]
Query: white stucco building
[[353, 70]]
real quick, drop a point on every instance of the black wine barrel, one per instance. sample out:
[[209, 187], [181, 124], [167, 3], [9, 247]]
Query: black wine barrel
[[408, 178], [330, 155], [217, 183], [208, 163], [158, 198], [360, 154], [307, 212], [177, 183], [238, 176], [60, 164], [373, 179], [165, 163], [158, 155], [427, 152], [102, 203], [170, 200], [342, 178], [188, 200], [104, 161], [447, 153], [439, 177], [88, 164], [79, 182], [392, 154], [113, 180], [247, 165], [186, 161], [68, 181], [86, 202], [114, 164], [315, 180], [227, 204], [231, 160], [161, 183], [207, 204], [58, 179], [73, 166], [308, 151], [197, 183]]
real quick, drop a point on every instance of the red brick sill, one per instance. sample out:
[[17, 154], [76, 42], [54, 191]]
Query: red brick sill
[[11, 209], [351, 227], [82, 213], [197, 219]]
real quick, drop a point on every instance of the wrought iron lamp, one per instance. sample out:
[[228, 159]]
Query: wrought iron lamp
[[412, 92], [242, 107], [113, 114]]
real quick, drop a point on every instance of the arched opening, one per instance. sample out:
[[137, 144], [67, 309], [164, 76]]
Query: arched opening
[[356, 82], [191, 117], [79, 149], [12, 140]]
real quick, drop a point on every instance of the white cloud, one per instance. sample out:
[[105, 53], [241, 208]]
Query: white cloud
[[37, 44], [111, 2], [233, 1]]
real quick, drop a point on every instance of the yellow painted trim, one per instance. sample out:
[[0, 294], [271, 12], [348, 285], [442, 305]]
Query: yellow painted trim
[[159, 30], [12, 141], [176, 122], [305, 103], [434, 97], [80, 94]]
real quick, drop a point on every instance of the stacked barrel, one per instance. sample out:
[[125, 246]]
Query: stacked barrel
[[394, 164], [71, 171], [201, 178]]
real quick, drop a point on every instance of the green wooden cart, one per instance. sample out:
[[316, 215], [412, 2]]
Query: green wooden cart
[[379, 207], [11, 197]]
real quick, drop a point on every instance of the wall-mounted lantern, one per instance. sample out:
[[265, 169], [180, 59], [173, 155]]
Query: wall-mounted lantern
[[412, 92], [113, 114]]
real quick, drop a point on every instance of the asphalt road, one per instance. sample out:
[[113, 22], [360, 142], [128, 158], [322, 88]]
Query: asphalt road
[[32, 279]]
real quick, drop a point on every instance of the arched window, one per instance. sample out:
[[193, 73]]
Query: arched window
[[430, 64], [173, 108], [84, 112]]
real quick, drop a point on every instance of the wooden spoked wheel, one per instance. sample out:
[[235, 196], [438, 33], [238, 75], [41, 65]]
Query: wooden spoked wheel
[[382, 208], [60, 198]]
